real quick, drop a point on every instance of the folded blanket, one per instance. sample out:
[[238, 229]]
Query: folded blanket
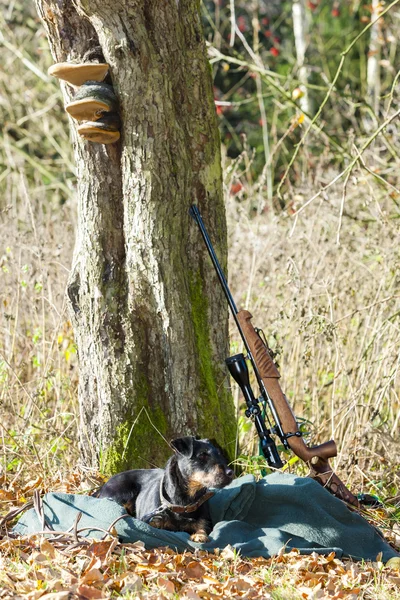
[[256, 518]]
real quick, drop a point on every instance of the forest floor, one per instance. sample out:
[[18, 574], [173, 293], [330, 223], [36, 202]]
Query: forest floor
[[36, 566]]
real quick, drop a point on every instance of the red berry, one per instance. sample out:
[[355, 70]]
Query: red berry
[[241, 23], [235, 188], [220, 109], [335, 12], [274, 51]]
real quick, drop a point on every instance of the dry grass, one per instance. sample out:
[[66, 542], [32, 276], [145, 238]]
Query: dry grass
[[37, 353], [331, 312]]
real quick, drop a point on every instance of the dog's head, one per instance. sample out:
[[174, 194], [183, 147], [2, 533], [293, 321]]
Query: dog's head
[[201, 463]]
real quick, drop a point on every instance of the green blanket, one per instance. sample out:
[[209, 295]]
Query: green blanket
[[258, 519]]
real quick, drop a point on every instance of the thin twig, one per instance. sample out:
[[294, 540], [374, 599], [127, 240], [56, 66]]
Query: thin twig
[[357, 310], [352, 163], [346, 181], [269, 77], [233, 23], [327, 96], [75, 528]]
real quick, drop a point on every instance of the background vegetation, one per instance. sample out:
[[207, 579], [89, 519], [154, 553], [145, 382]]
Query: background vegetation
[[314, 250]]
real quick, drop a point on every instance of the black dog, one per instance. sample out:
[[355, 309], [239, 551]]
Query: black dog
[[174, 498]]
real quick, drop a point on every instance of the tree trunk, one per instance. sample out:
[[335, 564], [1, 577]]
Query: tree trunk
[[149, 318], [300, 30], [373, 64]]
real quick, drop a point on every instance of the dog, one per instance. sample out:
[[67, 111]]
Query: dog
[[174, 498]]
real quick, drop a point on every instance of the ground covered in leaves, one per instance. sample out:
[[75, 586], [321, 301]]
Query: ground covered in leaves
[[68, 566]]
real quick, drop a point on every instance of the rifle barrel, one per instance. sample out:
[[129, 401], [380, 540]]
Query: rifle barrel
[[195, 213]]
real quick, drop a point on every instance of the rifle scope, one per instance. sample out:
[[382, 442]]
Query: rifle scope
[[238, 369]]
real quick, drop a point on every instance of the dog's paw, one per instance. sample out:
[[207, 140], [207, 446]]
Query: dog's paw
[[157, 521], [200, 537]]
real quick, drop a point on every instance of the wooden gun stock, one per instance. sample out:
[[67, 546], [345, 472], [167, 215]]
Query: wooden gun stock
[[316, 456]]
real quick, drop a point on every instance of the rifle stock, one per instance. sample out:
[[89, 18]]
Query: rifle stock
[[270, 375], [315, 456]]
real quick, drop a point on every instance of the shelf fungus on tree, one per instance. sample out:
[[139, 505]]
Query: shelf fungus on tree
[[91, 101], [78, 73], [94, 102], [103, 131]]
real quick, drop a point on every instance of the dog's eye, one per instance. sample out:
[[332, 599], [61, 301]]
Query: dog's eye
[[203, 455]]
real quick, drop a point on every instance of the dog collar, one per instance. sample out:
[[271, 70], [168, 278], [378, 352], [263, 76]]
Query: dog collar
[[178, 508]]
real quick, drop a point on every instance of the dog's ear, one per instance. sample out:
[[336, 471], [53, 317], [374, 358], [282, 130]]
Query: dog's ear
[[214, 442], [183, 445]]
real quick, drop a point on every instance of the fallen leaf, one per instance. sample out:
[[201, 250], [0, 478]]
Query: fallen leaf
[[190, 594], [92, 576], [242, 584], [93, 563], [32, 484], [194, 570], [212, 580], [393, 563], [166, 584], [102, 550], [38, 557], [132, 583], [47, 548], [87, 591], [228, 553], [61, 595], [4, 495]]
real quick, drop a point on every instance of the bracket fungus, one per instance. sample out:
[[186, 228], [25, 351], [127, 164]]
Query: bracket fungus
[[103, 131], [92, 100], [79, 73]]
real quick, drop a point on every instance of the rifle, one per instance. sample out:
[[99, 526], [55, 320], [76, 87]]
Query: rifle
[[267, 375]]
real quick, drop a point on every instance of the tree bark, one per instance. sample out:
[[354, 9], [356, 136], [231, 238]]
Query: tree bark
[[373, 64], [300, 30], [149, 318]]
